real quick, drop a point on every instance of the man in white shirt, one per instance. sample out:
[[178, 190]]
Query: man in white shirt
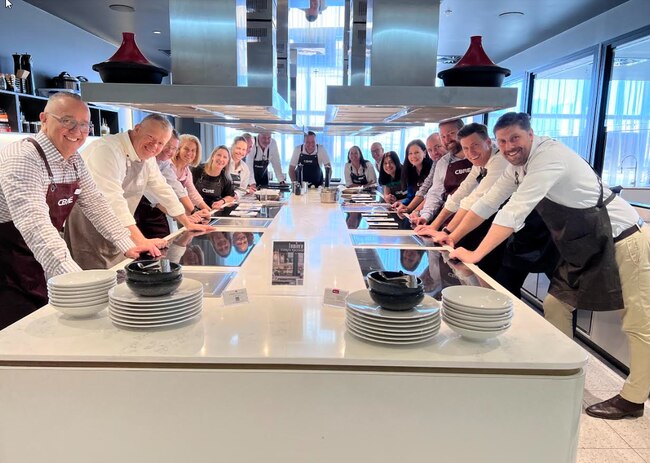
[[41, 178], [124, 168], [605, 254], [377, 153], [264, 151], [310, 156]]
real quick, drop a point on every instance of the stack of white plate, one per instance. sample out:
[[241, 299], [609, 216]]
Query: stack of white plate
[[476, 313], [366, 320], [127, 309], [80, 294]]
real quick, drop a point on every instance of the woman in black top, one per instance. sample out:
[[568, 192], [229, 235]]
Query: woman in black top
[[415, 169], [390, 177], [212, 179]]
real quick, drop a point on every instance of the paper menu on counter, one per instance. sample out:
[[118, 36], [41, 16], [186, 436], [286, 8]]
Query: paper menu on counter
[[288, 263]]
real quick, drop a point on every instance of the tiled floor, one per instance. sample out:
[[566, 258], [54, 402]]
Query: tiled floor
[[605, 441]]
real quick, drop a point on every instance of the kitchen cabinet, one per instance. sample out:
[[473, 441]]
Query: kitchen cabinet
[[31, 106]]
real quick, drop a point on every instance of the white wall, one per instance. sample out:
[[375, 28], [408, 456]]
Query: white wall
[[620, 20]]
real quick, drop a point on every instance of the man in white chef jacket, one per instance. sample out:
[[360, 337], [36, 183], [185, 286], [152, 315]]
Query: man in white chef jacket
[[605, 253], [124, 168]]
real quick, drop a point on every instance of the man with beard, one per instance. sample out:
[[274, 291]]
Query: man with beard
[[604, 251]]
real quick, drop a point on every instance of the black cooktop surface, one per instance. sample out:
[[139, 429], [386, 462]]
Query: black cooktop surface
[[219, 248], [432, 267], [377, 221]]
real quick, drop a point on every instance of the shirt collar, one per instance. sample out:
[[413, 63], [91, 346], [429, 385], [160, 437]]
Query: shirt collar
[[127, 146]]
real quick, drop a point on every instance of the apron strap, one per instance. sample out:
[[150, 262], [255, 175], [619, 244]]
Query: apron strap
[[41, 153]]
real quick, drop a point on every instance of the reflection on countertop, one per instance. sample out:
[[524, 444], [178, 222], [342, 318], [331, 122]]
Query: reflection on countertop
[[218, 248]]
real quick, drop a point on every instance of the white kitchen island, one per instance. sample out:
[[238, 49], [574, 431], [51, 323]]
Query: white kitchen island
[[278, 379]]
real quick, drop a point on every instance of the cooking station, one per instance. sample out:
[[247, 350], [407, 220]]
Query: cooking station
[[280, 371]]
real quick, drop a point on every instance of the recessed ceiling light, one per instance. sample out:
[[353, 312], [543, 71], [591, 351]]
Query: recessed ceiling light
[[511, 14], [157, 32], [448, 12], [121, 8]]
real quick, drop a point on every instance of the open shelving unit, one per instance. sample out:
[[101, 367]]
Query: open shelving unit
[[31, 106]]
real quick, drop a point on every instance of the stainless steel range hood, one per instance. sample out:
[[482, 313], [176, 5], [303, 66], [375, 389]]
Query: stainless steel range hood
[[209, 69], [396, 84]]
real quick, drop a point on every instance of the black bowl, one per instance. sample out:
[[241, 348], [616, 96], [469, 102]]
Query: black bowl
[[134, 272], [398, 303], [119, 72], [474, 76], [154, 289], [395, 283]]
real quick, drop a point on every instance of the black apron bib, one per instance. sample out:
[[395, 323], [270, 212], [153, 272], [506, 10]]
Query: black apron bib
[[23, 288], [311, 172], [151, 221], [210, 188], [236, 179], [260, 167], [587, 276], [359, 179]]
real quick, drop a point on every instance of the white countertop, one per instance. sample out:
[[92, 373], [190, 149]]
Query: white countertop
[[286, 325]]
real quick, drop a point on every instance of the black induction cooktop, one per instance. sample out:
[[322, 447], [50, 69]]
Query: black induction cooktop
[[377, 221], [433, 267], [218, 248]]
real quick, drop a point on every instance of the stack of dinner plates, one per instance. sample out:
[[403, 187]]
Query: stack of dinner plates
[[81, 294], [476, 313], [366, 320], [127, 309]]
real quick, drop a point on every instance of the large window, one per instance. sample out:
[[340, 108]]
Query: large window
[[494, 116], [562, 105], [627, 148]]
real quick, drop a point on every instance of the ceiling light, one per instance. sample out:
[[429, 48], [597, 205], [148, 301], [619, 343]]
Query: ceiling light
[[448, 12], [511, 14], [157, 32], [121, 8]]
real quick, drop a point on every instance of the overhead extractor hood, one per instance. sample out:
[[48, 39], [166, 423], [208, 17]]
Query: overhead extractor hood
[[397, 83], [209, 69]]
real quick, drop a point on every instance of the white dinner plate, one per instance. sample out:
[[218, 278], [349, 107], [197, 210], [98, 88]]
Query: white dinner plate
[[83, 279], [395, 321], [157, 306], [365, 337], [156, 325], [386, 325], [153, 313], [78, 302], [78, 294], [478, 310], [472, 317], [465, 326], [187, 289], [476, 296], [161, 319], [361, 302], [382, 333]]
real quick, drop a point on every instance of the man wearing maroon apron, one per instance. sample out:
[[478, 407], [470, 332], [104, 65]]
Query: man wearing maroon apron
[[604, 253], [40, 181]]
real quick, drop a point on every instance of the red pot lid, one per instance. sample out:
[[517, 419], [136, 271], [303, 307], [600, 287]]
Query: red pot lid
[[129, 51]]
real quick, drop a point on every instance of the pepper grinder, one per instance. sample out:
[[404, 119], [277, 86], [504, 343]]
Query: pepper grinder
[[26, 64]]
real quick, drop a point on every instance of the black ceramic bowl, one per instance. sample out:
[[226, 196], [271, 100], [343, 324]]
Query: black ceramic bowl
[[402, 302], [395, 283], [159, 288], [152, 273], [474, 76], [118, 72]]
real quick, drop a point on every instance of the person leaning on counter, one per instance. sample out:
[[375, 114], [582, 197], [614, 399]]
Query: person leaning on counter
[[40, 180], [124, 168], [358, 171], [311, 156], [604, 252], [213, 180]]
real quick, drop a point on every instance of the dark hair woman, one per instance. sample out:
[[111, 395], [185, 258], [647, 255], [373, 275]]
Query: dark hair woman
[[358, 171], [417, 166], [390, 177]]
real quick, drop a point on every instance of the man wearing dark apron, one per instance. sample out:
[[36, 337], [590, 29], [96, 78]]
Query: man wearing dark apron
[[263, 152], [52, 178], [310, 156], [605, 254]]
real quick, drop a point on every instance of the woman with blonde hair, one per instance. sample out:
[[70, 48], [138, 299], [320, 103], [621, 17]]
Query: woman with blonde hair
[[239, 171], [212, 179], [187, 156]]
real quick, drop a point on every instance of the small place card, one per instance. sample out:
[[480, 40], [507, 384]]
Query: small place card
[[335, 297], [235, 296]]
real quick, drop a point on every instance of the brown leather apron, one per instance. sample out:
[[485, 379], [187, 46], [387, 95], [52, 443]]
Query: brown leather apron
[[88, 247], [456, 173], [587, 276], [23, 288]]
